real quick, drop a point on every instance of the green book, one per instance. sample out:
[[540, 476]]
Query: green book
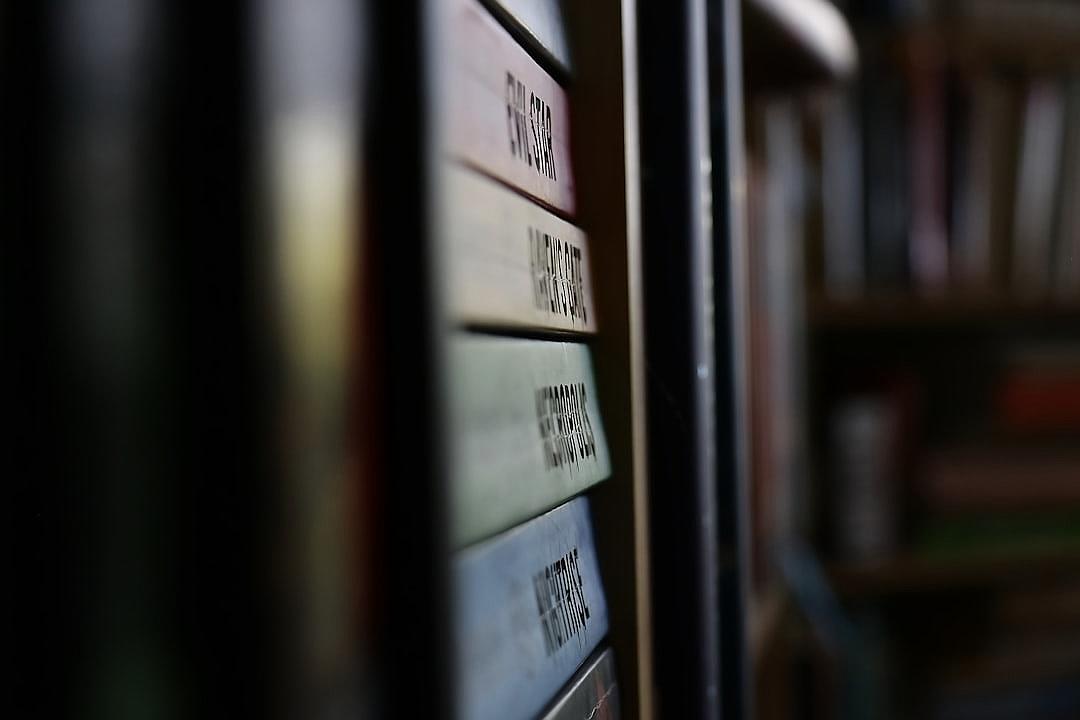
[[526, 431], [995, 534]]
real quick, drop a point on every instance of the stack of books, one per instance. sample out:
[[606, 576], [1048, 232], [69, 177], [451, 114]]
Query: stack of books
[[527, 439], [944, 179]]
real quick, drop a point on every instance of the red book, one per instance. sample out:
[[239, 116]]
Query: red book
[[1040, 401]]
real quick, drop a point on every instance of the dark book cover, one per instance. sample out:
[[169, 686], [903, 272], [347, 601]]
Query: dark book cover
[[886, 175]]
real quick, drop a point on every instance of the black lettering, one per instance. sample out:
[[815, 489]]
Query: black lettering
[[588, 422], [510, 112], [575, 595], [522, 133], [529, 128], [534, 139], [568, 450], [560, 601], [564, 425], [550, 246], [551, 152], [580, 408], [579, 286]]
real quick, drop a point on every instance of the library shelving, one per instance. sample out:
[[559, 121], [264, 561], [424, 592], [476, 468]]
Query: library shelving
[[922, 522]]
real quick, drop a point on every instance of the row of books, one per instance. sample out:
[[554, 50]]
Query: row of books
[[1004, 486], [526, 435], [1013, 487], [187, 327], [1013, 655], [777, 334], [950, 177], [966, 484], [937, 177]]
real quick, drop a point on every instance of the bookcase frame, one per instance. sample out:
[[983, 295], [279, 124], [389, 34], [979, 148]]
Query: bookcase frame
[[604, 140]]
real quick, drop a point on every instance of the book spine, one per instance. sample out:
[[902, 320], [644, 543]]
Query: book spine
[[865, 457], [541, 25], [841, 167], [1036, 186], [1067, 241], [592, 694], [528, 430], [781, 282], [973, 257], [1039, 402], [928, 246], [308, 75], [887, 205], [1005, 162], [508, 117], [512, 263], [529, 609]]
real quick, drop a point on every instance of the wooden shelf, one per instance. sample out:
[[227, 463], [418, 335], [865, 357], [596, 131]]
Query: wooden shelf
[[766, 618], [907, 312], [1043, 33], [913, 574], [796, 42]]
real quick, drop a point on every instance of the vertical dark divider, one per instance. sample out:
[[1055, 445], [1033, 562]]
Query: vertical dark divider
[[140, 508], [144, 387], [43, 514], [677, 268], [729, 273], [217, 447], [412, 640]]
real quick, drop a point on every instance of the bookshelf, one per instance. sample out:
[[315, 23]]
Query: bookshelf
[[901, 312], [299, 529], [789, 49], [295, 402], [792, 43], [1042, 34], [936, 333], [913, 575]]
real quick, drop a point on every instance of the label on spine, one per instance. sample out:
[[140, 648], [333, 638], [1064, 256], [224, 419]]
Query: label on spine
[[508, 117], [526, 430], [511, 262], [529, 609]]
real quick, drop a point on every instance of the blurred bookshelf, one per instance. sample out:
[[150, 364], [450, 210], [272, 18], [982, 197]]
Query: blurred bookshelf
[[915, 329], [1039, 33], [913, 574], [900, 312], [796, 42]]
